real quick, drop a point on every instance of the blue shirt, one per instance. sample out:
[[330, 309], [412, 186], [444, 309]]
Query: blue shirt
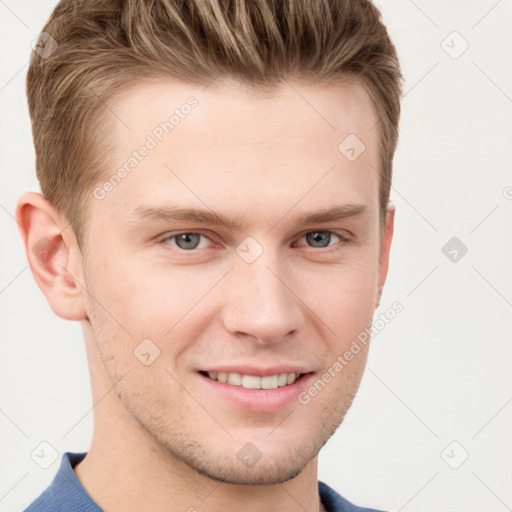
[[67, 494]]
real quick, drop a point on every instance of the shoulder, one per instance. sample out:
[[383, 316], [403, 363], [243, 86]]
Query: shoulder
[[65, 492], [334, 502]]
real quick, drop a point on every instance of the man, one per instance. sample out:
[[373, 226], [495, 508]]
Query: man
[[215, 179]]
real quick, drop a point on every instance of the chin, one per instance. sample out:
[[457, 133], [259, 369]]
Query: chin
[[243, 463], [264, 472]]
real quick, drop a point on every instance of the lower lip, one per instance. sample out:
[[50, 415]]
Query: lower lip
[[259, 400]]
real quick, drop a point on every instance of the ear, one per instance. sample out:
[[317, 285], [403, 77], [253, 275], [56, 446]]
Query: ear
[[53, 255], [385, 246]]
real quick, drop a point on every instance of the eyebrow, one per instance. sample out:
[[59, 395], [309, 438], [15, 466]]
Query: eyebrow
[[209, 217]]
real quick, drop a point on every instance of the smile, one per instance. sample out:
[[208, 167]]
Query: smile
[[257, 389], [253, 381]]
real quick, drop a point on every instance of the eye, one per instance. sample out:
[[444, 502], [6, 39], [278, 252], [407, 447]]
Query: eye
[[322, 239], [187, 241], [191, 240]]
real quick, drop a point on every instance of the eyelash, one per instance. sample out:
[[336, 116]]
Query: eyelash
[[343, 239]]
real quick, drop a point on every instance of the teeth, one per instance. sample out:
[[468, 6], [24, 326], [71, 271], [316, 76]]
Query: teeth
[[235, 379], [281, 380], [255, 382], [269, 382], [291, 378], [251, 382]]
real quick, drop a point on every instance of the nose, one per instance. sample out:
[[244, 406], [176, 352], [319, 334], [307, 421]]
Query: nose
[[260, 303]]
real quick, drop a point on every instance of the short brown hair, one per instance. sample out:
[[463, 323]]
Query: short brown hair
[[103, 46]]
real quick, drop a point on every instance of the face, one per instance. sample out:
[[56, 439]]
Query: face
[[241, 245]]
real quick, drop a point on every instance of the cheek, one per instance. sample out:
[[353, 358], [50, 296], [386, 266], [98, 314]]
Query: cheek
[[163, 304], [346, 306], [162, 300], [134, 294], [340, 294]]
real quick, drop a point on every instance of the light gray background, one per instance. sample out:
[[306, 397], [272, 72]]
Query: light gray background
[[438, 373]]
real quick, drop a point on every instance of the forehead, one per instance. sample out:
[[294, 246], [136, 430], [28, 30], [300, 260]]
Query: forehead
[[249, 116], [226, 145]]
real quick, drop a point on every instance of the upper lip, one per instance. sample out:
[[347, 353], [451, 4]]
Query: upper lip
[[258, 371]]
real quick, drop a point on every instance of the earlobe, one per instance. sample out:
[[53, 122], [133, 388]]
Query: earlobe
[[385, 246], [54, 259]]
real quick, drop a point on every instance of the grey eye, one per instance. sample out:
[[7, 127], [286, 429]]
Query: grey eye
[[319, 238], [187, 241]]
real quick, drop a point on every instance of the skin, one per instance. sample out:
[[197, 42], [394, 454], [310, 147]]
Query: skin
[[162, 439]]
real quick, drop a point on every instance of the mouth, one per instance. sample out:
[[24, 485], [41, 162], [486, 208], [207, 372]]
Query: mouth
[[278, 380], [266, 393]]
